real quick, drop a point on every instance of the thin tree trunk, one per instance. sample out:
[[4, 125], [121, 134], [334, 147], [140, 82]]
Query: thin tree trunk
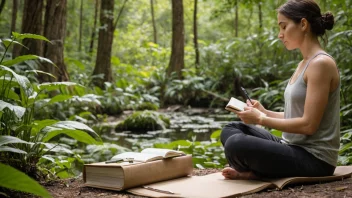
[[103, 61], [236, 18], [14, 16], [55, 29], [80, 27], [94, 26], [119, 15], [153, 21], [31, 23], [178, 38], [2, 4], [260, 16], [195, 33]]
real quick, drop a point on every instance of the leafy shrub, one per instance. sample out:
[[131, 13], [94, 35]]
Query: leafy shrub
[[23, 139], [144, 120]]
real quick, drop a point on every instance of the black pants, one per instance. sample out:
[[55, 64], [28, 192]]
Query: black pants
[[249, 148]]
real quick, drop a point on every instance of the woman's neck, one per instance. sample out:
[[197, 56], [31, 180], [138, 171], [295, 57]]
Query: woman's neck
[[310, 46]]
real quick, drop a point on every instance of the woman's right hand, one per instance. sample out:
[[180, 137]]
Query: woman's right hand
[[257, 105]]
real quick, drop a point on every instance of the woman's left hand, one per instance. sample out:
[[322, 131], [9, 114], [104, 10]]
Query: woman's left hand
[[250, 115]]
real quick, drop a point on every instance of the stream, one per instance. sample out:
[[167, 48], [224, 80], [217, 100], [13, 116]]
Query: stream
[[188, 124]]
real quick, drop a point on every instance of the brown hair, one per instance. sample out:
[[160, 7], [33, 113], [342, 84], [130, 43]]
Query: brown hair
[[308, 9]]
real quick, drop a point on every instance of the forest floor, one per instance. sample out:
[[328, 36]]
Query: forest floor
[[74, 188]]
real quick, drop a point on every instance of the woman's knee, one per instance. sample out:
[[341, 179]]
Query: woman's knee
[[236, 143], [229, 130]]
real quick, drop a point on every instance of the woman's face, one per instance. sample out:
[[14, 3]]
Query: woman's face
[[291, 34]]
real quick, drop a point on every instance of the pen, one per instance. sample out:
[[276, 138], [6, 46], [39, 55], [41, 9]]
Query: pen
[[114, 161], [158, 190], [245, 93]]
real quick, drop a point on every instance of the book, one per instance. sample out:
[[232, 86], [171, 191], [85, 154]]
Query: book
[[215, 185], [148, 154], [235, 105], [124, 175]]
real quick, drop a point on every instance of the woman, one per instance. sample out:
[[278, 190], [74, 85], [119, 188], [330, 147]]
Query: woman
[[310, 121]]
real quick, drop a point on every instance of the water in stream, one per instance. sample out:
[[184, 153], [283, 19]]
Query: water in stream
[[186, 125]]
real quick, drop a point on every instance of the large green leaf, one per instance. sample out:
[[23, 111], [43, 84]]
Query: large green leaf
[[16, 180], [76, 130], [7, 42], [345, 147], [23, 81], [11, 94], [19, 36], [10, 149], [59, 98], [55, 85], [57, 148], [79, 135], [38, 125], [7, 81], [23, 58], [7, 139], [18, 110], [73, 125], [41, 72]]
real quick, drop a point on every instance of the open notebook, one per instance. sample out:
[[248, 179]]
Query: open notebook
[[214, 185]]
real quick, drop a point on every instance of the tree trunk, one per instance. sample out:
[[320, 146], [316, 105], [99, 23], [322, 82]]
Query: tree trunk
[[55, 28], [2, 4], [153, 21], [80, 27], [260, 15], [31, 23], [195, 34], [94, 26], [177, 47], [236, 18], [14, 16], [106, 30]]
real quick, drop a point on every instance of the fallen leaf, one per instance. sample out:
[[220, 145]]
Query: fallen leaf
[[341, 188]]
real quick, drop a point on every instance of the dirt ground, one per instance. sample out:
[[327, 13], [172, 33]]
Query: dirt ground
[[74, 188]]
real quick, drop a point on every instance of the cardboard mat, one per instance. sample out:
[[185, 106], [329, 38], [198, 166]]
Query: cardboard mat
[[214, 185]]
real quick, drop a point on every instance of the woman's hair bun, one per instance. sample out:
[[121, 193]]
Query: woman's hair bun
[[328, 20]]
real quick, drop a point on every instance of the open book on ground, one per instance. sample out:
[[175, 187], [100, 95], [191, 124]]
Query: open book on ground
[[214, 185], [235, 105], [148, 154]]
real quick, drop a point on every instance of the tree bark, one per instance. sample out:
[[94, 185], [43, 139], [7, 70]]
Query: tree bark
[[177, 47], [31, 23], [195, 34], [2, 4], [55, 29], [14, 16], [106, 30], [260, 15], [153, 22], [94, 26]]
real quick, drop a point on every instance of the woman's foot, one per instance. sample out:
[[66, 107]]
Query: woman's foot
[[230, 173]]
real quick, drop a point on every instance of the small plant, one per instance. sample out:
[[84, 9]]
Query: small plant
[[207, 154], [144, 120]]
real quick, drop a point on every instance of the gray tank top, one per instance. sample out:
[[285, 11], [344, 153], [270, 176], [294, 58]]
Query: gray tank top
[[325, 142]]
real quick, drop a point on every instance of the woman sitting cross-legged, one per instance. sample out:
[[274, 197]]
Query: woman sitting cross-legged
[[310, 121]]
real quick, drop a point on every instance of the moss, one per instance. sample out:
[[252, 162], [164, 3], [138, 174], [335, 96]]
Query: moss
[[144, 121], [147, 106]]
